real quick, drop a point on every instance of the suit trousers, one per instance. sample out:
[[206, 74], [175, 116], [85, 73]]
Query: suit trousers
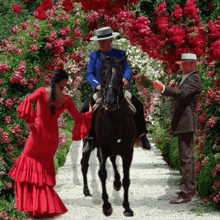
[[138, 116], [188, 184]]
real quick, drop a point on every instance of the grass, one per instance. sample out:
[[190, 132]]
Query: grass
[[200, 208]]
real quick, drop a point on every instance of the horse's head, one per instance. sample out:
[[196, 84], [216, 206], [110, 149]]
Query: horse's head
[[111, 75]]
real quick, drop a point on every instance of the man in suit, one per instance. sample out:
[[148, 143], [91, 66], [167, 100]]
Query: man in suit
[[184, 122], [105, 36]]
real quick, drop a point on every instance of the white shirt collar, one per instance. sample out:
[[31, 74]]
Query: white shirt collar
[[186, 75]]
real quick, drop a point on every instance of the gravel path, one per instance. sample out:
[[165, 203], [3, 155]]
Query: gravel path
[[153, 184]]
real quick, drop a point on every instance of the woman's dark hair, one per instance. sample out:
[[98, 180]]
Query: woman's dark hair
[[58, 76]]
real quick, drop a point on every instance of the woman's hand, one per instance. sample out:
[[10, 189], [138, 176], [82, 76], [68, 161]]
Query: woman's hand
[[90, 108]]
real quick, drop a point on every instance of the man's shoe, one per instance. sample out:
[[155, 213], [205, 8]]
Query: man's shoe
[[194, 195], [145, 142], [180, 200]]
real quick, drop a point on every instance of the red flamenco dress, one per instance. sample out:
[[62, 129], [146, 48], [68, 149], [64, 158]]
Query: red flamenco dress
[[34, 172]]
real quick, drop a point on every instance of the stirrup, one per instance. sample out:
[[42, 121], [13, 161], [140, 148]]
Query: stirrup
[[88, 138]]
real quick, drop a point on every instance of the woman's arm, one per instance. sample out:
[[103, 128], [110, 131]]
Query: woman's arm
[[83, 121], [26, 110]]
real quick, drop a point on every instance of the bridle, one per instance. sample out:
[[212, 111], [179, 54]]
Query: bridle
[[111, 86]]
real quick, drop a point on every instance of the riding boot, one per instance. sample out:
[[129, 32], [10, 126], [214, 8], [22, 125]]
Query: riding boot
[[87, 144], [145, 142]]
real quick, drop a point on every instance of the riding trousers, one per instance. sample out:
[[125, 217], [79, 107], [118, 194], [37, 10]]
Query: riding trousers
[[138, 116]]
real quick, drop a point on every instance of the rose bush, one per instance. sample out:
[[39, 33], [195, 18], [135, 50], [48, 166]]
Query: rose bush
[[56, 34], [172, 34], [28, 58]]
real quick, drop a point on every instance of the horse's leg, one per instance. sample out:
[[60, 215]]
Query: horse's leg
[[117, 181], [84, 166], [107, 208], [126, 182]]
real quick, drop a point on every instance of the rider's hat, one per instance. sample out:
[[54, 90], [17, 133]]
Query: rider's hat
[[104, 33], [188, 57]]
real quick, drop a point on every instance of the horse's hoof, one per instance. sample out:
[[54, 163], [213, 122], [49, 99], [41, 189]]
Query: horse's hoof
[[108, 212], [117, 185], [86, 192], [128, 212]]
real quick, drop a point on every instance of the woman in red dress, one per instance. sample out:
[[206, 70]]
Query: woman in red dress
[[34, 172]]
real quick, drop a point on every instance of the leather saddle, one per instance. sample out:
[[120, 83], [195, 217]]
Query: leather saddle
[[98, 99]]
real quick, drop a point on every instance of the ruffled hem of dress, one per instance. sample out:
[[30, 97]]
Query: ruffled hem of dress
[[40, 201], [32, 170], [26, 111], [82, 127]]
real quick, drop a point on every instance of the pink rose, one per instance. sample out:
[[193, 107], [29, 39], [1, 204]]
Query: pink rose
[[218, 167], [48, 45], [77, 33], [10, 147], [8, 120], [20, 40], [14, 30], [215, 199], [32, 34], [205, 200], [9, 104], [33, 48], [212, 121], [24, 26]]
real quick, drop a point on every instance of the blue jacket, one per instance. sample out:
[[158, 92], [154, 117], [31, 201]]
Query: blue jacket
[[95, 66]]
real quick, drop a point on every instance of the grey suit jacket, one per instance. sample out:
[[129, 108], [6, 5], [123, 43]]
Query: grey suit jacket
[[183, 110]]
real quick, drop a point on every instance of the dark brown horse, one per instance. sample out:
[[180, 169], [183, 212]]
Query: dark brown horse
[[115, 132]]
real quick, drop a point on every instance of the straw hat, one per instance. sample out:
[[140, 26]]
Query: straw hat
[[188, 57], [104, 33]]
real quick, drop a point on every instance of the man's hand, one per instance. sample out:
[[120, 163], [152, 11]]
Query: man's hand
[[126, 82], [98, 87], [171, 82], [158, 85]]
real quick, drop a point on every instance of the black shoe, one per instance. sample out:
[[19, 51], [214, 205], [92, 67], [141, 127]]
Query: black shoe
[[87, 145], [145, 142]]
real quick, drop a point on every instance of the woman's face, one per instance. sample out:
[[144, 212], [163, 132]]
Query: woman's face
[[62, 84]]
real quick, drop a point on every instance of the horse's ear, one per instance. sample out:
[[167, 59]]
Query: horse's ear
[[102, 56], [122, 60]]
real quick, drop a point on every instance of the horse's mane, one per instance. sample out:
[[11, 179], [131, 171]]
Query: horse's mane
[[107, 64]]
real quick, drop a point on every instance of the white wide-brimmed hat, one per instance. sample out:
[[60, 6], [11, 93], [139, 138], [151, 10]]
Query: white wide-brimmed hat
[[188, 57], [104, 33]]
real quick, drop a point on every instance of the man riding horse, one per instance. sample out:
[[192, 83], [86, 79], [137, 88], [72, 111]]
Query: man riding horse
[[105, 36]]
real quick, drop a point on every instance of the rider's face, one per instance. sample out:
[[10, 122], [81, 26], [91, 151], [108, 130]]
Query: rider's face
[[105, 45]]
